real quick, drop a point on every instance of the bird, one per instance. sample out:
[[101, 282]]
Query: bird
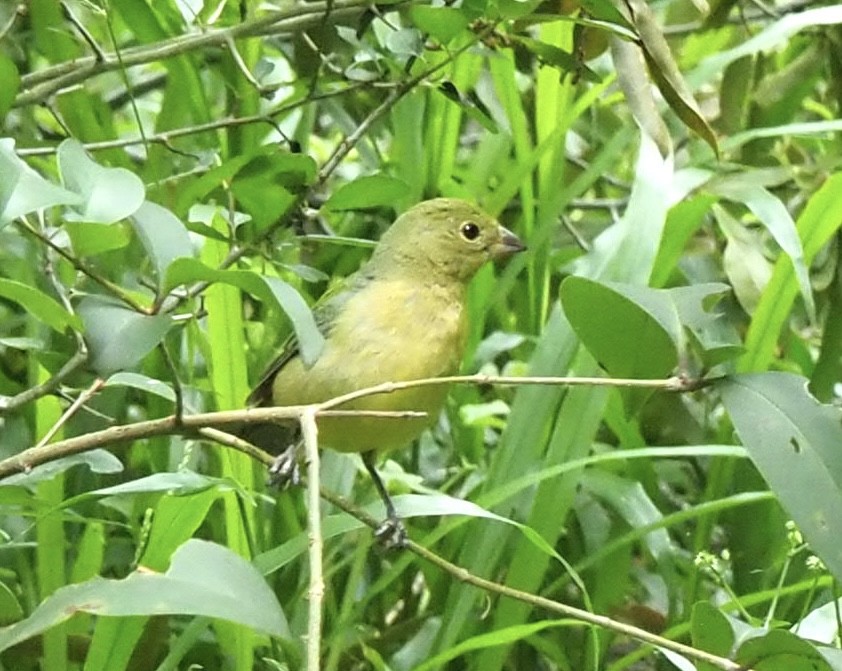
[[402, 316]]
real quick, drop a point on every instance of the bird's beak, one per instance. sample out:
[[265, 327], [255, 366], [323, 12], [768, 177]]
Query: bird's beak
[[507, 245]]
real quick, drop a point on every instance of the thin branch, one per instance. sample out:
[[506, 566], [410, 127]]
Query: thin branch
[[466, 576], [602, 621], [38, 86], [99, 54], [676, 384], [72, 409], [10, 403], [26, 460], [109, 286], [316, 591], [349, 142], [29, 458]]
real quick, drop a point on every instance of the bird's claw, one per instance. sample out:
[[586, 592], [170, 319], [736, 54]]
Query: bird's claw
[[391, 535], [284, 470]]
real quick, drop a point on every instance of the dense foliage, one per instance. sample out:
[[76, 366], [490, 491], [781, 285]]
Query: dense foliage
[[180, 179]]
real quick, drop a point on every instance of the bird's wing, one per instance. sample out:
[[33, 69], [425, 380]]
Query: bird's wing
[[324, 312]]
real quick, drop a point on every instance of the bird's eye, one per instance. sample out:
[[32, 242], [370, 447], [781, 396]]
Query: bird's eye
[[469, 231]]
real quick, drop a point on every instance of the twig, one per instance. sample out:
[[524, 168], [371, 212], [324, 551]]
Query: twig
[[99, 54], [469, 578], [109, 286], [316, 591], [349, 142], [667, 384], [11, 403], [40, 85], [466, 576], [72, 409], [29, 458]]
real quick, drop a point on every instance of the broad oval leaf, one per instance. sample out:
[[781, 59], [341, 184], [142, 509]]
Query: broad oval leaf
[[22, 190], [367, 192], [441, 23], [9, 84], [794, 442], [630, 336], [119, 337], [162, 234], [780, 650], [107, 194]]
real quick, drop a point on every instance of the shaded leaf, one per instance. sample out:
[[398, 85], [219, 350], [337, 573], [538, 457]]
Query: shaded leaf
[[119, 337], [99, 461], [551, 55], [779, 650], [666, 74], [39, 305], [794, 442], [9, 85], [106, 194], [271, 290], [162, 234], [368, 192], [470, 104], [203, 579], [772, 213], [143, 383], [711, 631], [441, 23]]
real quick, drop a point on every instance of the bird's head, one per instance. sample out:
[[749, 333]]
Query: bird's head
[[447, 236]]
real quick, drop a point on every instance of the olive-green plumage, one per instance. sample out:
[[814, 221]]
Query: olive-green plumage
[[402, 316]]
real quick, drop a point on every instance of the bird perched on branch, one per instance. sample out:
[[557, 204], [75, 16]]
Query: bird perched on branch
[[401, 317]]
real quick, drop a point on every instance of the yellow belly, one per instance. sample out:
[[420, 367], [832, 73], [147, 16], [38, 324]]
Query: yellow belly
[[391, 332]]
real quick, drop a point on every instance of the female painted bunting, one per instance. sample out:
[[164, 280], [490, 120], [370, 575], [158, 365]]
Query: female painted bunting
[[402, 316]]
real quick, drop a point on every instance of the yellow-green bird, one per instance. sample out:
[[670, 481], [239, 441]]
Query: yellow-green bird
[[402, 316]]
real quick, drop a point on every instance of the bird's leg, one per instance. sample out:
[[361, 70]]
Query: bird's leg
[[392, 533], [284, 470]]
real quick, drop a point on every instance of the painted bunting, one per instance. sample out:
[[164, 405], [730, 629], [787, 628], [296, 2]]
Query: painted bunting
[[402, 316]]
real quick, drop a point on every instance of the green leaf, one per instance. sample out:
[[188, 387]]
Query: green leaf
[[143, 383], [22, 190], [204, 579], [99, 461], [179, 483], [794, 442], [92, 239], [162, 234], [39, 305], [551, 55], [119, 337], [780, 650], [368, 192], [633, 332], [441, 23], [470, 104], [9, 85], [665, 72], [772, 213], [271, 290], [711, 632], [107, 194]]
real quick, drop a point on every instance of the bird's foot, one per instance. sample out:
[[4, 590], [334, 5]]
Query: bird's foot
[[284, 470], [391, 535]]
